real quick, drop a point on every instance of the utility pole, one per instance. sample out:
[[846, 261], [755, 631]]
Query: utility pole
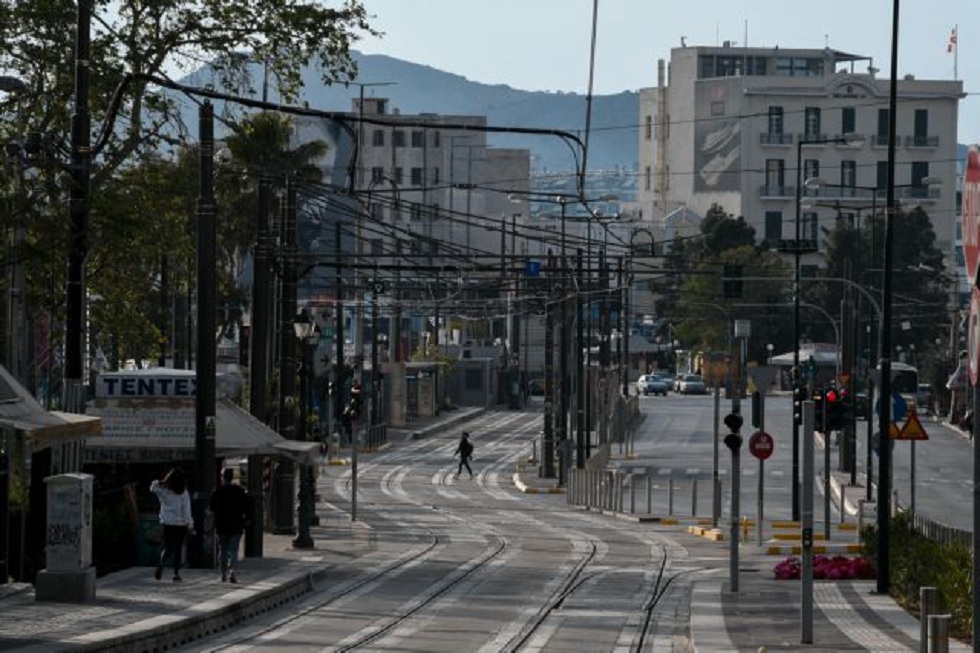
[[548, 446], [580, 389], [339, 369], [258, 363], [206, 374], [78, 216], [284, 475]]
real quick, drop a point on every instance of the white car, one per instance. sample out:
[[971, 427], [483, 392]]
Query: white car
[[692, 384]]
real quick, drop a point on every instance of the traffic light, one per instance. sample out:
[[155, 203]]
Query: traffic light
[[757, 409], [799, 396], [819, 411], [835, 410]]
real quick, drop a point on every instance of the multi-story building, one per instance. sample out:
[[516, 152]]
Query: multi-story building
[[742, 127]]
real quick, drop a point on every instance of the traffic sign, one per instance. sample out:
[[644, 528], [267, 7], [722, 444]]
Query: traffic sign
[[913, 429], [761, 445], [900, 407], [893, 431]]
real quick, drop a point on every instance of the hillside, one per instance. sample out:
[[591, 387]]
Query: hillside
[[417, 89]]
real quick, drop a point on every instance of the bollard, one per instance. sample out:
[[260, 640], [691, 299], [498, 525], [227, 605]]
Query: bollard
[[649, 495], [670, 497], [694, 498], [843, 505], [632, 496], [938, 633], [928, 606]]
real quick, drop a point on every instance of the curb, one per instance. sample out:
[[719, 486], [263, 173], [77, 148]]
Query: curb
[[523, 487]]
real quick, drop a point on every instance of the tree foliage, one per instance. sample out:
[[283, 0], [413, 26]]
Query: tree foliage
[[143, 172]]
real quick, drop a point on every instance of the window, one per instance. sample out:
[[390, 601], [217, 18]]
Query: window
[[810, 222], [811, 170], [416, 176], [920, 170], [774, 226], [377, 247], [377, 211], [848, 120], [812, 122], [881, 136], [415, 212], [418, 138], [775, 121], [881, 179], [774, 176], [435, 175], [398, 138], [436, 139], [397, 176], [377, 174], [649, 127], [378, 138], [647, 174], [921, 134], [848, 174]]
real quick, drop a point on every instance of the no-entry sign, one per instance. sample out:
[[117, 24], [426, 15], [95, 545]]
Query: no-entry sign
[[761, 445]]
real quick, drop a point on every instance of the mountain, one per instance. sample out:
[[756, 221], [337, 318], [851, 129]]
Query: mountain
[[414, 89]]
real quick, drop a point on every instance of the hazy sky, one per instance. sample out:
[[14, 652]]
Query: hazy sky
[[544, 44]]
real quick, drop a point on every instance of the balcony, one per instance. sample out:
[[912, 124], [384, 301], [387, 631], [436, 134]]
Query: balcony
[[770, 138], [777, 191], [881, 140], [922, 141]]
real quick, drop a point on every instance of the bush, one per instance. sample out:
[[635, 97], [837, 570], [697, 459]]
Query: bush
[[838, 567]]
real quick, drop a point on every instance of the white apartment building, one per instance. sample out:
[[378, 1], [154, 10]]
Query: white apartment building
[[740, 126]]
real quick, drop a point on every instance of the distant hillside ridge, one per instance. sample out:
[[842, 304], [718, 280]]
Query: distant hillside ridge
[[415, 89]]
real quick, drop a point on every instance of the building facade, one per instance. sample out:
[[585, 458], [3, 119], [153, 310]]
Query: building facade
[[743, 127]]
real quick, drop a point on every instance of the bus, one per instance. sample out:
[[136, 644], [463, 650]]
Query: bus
[[905, 381]]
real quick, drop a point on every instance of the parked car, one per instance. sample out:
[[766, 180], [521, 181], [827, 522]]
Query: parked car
[[651, 384], [692, 384]]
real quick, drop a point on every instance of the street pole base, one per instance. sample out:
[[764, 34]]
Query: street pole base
[[303, 542], [284, 530]]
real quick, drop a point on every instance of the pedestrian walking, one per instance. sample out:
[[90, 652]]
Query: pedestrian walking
[[465, 452], [175, 515], [229, 503]]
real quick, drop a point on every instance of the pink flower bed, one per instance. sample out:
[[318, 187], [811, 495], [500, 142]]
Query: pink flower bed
[[836, 567]]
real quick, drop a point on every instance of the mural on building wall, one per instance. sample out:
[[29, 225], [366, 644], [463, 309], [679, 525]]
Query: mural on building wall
[[717, 142]]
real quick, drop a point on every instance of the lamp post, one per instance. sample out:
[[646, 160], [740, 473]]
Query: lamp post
[[308, 336], [769, 349], [626, 312], [797, 249]]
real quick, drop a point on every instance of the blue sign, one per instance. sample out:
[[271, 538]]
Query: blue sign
[[532, 268], [900, 407]]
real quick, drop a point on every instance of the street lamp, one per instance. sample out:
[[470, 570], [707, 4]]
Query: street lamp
[[769, 349], [797, 249], [308, 336], [626, 312]]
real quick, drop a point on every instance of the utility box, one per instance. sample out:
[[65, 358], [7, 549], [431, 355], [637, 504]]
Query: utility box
[[69, 575]]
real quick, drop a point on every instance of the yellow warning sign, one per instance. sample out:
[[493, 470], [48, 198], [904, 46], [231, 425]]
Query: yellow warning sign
[[912, 430], [893, 431]]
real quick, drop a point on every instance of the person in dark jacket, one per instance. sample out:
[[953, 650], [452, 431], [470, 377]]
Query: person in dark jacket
[[229, 503], [465, 452]]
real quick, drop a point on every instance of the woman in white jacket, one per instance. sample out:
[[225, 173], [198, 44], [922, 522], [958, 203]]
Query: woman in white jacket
[[175, 515]]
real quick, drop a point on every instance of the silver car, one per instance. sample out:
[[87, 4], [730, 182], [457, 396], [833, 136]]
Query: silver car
[[692, 384]]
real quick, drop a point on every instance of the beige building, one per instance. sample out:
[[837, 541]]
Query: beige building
[[739, 127]]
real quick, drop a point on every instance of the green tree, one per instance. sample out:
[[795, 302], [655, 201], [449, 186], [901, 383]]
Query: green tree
[[146, 38]]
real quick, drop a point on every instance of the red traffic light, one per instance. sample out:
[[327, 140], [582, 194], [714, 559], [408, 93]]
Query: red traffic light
[[832, 396]]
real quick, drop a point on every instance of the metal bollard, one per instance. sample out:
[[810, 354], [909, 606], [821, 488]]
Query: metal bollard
[[939, 633], [649, 495], [928, 606], [843, 505], [694, 498], [670, 497], [632, 496]]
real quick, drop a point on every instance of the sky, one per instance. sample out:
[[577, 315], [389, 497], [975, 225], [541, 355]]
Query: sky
[[544, 45]]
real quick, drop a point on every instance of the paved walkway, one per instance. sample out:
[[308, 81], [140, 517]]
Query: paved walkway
[[132, 611]]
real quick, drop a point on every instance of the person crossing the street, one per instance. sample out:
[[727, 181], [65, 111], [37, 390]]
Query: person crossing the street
[[465, 453]]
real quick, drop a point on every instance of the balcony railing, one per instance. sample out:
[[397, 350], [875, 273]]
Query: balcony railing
[[770, 138], [921, 141], [881, 140], [777, 191]]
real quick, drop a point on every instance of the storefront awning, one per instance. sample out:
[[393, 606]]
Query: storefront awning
[[19, 411]]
